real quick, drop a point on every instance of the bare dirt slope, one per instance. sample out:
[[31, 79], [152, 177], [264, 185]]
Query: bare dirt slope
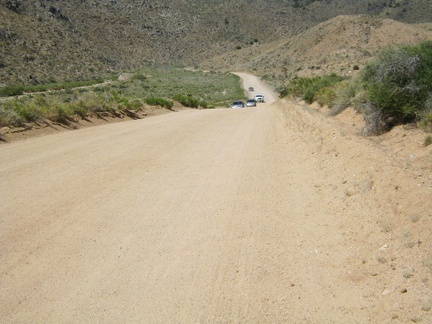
[[270, 214]]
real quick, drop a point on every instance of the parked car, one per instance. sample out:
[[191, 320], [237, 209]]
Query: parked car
[[237, 104], [251, 89], [251, 103], [259, 98]]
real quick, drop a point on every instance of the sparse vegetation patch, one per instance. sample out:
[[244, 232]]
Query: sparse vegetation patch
[[311, 89], [153, 86], [394, 88], [168, 104]]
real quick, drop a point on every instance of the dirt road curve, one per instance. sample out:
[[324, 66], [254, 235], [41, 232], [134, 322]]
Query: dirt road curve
[[274, 214]]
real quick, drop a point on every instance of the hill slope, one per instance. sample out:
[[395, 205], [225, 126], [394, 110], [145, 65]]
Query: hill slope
[[47, 40], [335, 45]]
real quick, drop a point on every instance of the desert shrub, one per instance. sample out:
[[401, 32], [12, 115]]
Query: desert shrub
[[398, 82], [133, 103], [187, 100], [136, 104], [8, 115], [16, 112], [62, 112], [309, 88], [297, 86], [428, 140], [345, 92], [80, 110], [325, 96], [91, 102], [153, 101], [24, 111], [203, 104], [374, 119], [425, 116]]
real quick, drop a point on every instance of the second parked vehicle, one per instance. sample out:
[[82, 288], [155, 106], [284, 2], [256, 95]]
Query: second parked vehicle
[[251, 103]]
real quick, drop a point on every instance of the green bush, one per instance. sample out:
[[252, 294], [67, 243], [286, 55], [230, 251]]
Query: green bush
[[345, 95], [7, 117], [425, 120], [62, 113], [298, 86], [326, 96], [16, 112], [309, 88], [153, 101], [187, 101], [79, 110], [399, 83], [203, 104]]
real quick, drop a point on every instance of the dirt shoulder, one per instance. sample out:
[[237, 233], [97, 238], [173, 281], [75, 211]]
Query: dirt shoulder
[[47, 127], [382, 199], [270, 214]]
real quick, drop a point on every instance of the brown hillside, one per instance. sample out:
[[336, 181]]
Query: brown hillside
[[332, 46]]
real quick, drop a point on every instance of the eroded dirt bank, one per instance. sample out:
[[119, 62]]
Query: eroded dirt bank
[[269, 214]]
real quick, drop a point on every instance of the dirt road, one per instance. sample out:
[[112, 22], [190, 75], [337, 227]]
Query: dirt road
[[274, 214]]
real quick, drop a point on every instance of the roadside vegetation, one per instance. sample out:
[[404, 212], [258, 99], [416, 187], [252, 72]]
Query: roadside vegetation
[[392, 89], [129, 91]]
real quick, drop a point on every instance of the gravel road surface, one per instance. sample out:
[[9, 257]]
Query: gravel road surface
[[223, 215]]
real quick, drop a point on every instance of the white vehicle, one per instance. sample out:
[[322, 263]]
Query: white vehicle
[[259, 98]]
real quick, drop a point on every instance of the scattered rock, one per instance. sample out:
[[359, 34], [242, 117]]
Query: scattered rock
[[384, 247], [386, 291], [366, 185], [426, 308]]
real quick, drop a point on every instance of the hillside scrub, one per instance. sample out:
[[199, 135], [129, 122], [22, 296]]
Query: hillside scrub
[[310, 89], [152, 86], [394, 88]]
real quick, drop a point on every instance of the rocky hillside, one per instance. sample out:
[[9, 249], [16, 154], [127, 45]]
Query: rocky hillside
[[336, 45], [54, 40]]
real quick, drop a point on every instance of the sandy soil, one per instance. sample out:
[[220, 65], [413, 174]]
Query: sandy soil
[[273, 214]]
